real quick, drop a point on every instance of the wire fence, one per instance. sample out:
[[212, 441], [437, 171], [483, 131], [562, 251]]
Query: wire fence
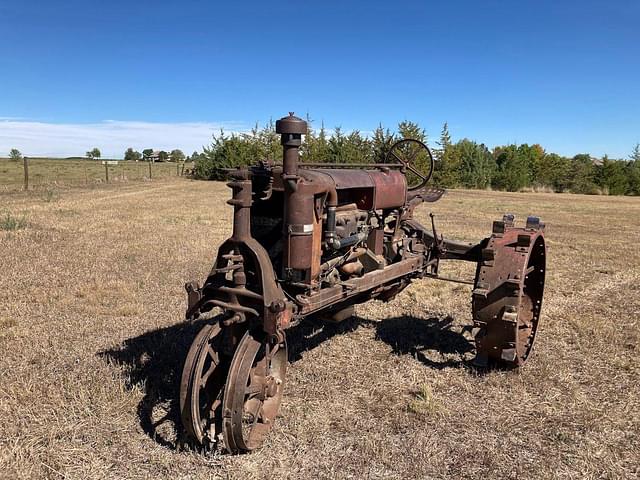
[[44, 173]]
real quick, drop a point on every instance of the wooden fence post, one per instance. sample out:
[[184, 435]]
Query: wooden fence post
[[149, 170], [106, 171], [26, 173]]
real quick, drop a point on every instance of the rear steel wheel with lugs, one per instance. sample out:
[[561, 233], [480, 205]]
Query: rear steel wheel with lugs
[[507, 298], [253, 391]]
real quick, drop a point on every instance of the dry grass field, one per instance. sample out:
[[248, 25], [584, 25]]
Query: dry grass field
[[51, 173], [92, 341]]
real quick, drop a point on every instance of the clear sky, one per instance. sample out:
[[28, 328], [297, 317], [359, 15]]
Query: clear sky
[[83, 73]]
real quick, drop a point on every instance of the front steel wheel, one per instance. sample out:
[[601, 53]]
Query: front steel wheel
[[201, 387], [253, 392]]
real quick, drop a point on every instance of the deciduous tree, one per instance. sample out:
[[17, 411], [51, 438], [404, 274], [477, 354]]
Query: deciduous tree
[[132, 155], [15, 155], [176, 155], [94, 154]]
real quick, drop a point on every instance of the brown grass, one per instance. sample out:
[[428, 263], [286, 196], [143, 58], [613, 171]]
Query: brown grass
[[50, 174], [92, 341]]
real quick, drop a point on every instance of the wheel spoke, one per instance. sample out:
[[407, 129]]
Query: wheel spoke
[[211, 352], [417, 172], [413, 156], [257, 415], [397, 158]]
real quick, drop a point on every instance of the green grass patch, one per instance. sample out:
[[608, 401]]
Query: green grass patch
[[9, 223]]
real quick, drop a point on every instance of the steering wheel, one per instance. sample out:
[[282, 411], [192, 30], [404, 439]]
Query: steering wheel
[[415, 158]]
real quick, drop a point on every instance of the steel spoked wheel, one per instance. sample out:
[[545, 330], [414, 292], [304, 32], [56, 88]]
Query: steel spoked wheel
[[253, 392], [201, 387]]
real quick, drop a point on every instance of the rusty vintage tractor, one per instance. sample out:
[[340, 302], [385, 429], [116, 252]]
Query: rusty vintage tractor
[[313, 240]]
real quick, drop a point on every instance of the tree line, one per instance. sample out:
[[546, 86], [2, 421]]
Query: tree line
[[175, 155], [461, 164]]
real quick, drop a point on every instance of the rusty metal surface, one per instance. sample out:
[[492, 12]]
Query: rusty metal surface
[[390, 189], [253, 391], [348, 179], [427, 194], [201, 387], [507, 298], [355, 287]]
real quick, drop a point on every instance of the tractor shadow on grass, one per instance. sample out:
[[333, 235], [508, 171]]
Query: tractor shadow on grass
[[153, 361], [433, 341]]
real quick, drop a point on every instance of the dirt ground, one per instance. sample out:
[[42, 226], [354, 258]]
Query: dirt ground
[[92, 341]]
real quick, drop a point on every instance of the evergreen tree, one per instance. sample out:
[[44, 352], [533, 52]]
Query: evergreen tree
[[445, 138], [582, 175], [357, 149], [610, 175], [447, 167], [633, 171], [554, 171], [381, 143], [513, 166], [408, 129], [337, 147], [315, 148], [476, 164], [465, 163]]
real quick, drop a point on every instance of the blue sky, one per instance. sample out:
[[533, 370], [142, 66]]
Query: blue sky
[[77, 74]]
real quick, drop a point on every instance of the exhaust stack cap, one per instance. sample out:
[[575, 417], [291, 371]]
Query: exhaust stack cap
[[291, 125]]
